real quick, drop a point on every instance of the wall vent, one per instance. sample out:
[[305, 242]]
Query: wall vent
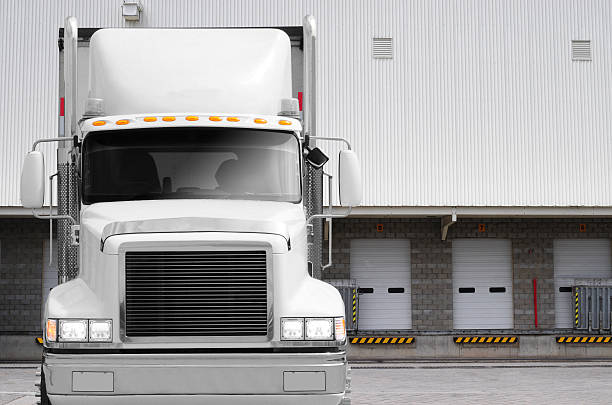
[[382, 48], [581, 50]]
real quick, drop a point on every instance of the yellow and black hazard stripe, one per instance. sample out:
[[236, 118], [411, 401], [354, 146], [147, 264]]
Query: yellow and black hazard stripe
[[584, 339], [354, 306], [385, 340], [495, 340], [576, 321], [39, 340]]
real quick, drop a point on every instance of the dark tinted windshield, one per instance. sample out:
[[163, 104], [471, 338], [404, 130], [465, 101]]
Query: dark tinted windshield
[[172, 163]]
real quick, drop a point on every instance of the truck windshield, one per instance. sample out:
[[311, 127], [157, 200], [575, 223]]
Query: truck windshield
[[173, 163]]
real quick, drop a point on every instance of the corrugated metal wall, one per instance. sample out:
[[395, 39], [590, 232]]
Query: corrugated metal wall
[[481, 104]]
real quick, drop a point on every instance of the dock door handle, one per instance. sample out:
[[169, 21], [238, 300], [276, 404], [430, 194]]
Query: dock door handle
[[365, 290], [497, 289], [467, 290], [395, 290]]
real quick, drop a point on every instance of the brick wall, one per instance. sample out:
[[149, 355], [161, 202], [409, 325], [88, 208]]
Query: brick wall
[[21, 264], [431, 260]]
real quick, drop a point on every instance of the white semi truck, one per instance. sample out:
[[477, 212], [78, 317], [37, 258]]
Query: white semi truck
[[185, 203]]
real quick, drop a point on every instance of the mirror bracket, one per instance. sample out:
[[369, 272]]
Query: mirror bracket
[[43, 140], [341, 215], [325, 138], [42, 216], [329, 214]]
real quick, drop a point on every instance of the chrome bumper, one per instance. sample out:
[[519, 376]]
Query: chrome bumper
[[193, 378]]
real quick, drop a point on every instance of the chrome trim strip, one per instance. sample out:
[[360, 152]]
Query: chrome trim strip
[[191, 224]]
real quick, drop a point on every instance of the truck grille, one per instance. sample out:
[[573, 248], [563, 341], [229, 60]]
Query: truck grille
[[196, 293]]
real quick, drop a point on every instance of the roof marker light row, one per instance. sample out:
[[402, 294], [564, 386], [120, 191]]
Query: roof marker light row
[[189, 118]]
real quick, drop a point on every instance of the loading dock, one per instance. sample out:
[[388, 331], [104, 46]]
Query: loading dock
[[577, 258], [482, 284], [381, 268]]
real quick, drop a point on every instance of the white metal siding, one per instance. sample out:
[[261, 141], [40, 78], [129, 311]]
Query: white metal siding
[[381, 264], [480, 265], [577, 258], [481, 104]]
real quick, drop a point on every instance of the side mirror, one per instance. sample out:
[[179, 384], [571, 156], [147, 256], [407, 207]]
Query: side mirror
[[33, 180], [349, 180]]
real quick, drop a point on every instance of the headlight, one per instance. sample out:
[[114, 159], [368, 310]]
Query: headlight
[[72, 330], [340, 329], [292, 329], [100, 330], [319, 328], [79, 330]]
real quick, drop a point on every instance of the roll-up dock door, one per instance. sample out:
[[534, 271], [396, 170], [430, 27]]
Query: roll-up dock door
[[482, 284], [381, 268], [577, 258]]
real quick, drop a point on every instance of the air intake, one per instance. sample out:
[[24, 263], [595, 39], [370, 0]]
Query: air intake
[[382, 48], [196, 293]]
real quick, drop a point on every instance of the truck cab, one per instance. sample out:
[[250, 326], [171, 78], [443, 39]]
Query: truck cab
[[188, 212]]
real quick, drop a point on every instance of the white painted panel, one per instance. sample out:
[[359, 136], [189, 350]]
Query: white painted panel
[[481, 104], [577, 258], [49, 270], [381, 264], [482, 264]]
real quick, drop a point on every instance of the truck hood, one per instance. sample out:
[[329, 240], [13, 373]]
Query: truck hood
[[104, 220]]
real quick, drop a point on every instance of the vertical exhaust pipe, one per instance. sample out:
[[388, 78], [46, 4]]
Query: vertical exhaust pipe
[[313, 185], [67, 196], [71, 38], [310, 78]]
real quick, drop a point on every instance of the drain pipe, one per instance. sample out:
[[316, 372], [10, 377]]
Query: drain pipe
[[535, 302]]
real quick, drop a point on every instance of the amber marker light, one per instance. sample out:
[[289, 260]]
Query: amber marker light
[[192, 118], [150, 119], [284, 122], [168, 119], [233, 119], [214, 118], [260, 121], [51, 330], [122, 122], [98, 123]]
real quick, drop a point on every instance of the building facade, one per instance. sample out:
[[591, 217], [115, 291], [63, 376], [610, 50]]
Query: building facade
[[482, 128]]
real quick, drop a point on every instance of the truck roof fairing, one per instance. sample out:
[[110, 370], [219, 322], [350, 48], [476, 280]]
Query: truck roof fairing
[[136, 71]]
